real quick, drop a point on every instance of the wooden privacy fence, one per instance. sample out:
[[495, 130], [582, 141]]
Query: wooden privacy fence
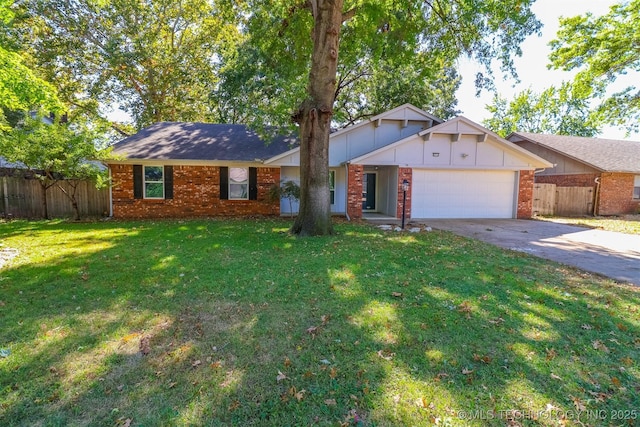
[[549, 199], [22, 198]]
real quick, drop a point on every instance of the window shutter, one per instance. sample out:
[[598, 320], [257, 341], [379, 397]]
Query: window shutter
[[137, 182], [168, 182], [253, 183], [224, 183]]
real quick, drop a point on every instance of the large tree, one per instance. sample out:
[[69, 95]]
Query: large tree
[[315, 37], [20, 87], [602, 49], [156, 59], [563, 111]]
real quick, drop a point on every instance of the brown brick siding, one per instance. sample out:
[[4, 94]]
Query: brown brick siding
[[354, 191], [525, 194], [616, 194], [404, 173], [577, 180], [196, 192]]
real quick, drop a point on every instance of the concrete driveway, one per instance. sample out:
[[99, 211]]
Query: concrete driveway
[[615, 255]]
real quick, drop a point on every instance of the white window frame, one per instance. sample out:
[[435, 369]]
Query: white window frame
[[145, 182], [246, 183], [332, 190], [636, 187]]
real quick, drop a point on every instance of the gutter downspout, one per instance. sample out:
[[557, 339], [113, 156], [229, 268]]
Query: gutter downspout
[[346, 192], [596, 197], [110, 194]]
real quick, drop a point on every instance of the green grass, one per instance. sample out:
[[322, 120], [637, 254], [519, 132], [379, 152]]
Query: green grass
[[238, 323], [628, 224]]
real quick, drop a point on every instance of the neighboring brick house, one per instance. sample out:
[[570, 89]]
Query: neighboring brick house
[[610, 167], [455, 169]]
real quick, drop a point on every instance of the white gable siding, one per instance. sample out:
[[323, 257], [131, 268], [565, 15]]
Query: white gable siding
[[364, 139], [440, 152]]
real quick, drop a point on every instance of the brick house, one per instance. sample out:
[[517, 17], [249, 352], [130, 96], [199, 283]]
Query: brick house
[[455, 169], [610, 167]]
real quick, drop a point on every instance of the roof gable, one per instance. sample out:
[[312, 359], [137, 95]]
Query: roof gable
[[608, 155], [201, 141], [478, 147]]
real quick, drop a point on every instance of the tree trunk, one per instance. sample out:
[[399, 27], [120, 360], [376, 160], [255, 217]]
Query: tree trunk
[[314, 118], [43, 199]]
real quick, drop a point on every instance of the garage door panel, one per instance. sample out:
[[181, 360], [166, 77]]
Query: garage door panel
[[462, 194]]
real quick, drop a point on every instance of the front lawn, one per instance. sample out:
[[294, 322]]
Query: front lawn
[[238, 323]]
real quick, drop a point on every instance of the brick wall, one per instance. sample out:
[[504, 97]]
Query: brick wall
[[404, 173], [196, 193], [354, 191], [577, 180], [525, 194], [616, 194]]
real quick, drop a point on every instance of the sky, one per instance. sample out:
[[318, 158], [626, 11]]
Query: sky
[[532, 66]]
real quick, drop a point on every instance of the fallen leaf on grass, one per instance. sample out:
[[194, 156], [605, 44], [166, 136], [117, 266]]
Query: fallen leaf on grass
[[330, 402], [465, 307], [466, 371], [621, 327], [325, 318], [312, 330], [578, 404], [386, 354], [483, 359], [586, 326], [145, 347], [627, 361], [422, 403], [599, 345], [234, 405], [123, 422], [333, 373], [497, 321], [555, 377], [280, 376], [551, 353], [396, 294], [287, 362], [196, 363], [616, 382], [599, 397]]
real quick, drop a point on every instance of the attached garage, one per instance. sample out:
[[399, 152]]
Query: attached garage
[[463, 194]]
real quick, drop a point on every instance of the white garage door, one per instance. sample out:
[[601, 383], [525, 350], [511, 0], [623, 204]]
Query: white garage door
[[463, 194]]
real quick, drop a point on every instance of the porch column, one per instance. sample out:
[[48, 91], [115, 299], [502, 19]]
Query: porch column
[[404, 173], [354, 191]]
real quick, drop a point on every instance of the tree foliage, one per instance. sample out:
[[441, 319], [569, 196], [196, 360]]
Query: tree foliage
[[55, 152], [157, 59], [293, 75], [562, 111], [602, 49], [20, 87]]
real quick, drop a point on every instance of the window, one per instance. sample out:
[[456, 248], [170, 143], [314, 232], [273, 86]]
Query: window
[[153, 182], [332, 186], [636, 187], [238, 183]]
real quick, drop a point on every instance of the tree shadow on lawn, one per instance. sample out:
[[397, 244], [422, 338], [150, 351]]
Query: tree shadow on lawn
[[237, 323]]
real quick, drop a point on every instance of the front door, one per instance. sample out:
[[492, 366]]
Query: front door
[[369, 191]]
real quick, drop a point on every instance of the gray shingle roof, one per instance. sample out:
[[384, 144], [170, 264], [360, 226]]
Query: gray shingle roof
[[201, 141], [609, 155]]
